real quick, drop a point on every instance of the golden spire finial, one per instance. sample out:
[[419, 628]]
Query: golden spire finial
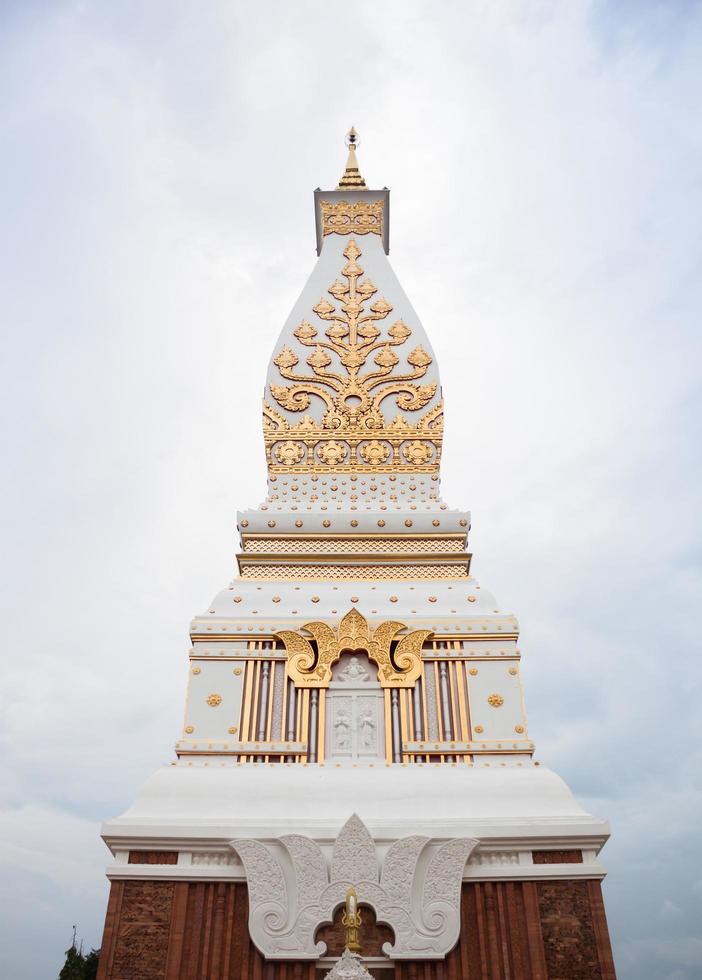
[[351, 921], [352, 179]]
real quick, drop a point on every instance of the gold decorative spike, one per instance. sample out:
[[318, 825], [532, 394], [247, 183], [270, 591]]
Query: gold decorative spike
[[353, 434], [351, 921], [310, 666], [351, 179]]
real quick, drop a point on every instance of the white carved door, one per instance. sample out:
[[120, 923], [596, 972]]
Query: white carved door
[[355, 730]]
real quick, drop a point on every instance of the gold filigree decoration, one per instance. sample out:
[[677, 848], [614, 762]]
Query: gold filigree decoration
[[289, 452], [354, 368], [353, 398], [375, 452], [399, 659], [347, 217], [417, 452], [332, 453]]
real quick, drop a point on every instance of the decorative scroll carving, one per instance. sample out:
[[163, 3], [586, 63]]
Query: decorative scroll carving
[[345, 217], [310, 867], [418, 894], [266, 882], [353, 855], [353, 433], [396, 669]]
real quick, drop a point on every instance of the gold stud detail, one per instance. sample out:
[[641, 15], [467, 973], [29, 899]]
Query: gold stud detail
[[393, 598], [196, 670], [381, 523], [276, 598], [232, 730], [354, 523], [315, 598], [432, 598], [298, 523], [214, 700], [519, 729], [495, 700], [471, 598], [463, 523], [189, 729], [436, 523], [244, 523], [473, 671], [237, 671], [408, 523], [513, 671], [479, 729], [236, 598]]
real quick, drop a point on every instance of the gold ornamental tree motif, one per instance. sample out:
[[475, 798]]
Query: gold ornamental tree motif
[[399, 661], [355, 364], [353, 395]]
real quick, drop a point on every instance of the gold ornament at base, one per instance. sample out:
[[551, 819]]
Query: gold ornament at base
[[351, 921]]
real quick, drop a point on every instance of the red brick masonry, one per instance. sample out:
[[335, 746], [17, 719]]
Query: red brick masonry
[[510, 930]]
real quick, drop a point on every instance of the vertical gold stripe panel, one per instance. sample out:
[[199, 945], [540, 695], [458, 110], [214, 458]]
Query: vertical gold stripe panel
[[388, 726], [271, 696], [305, 722], [403, 719], [246, 706], [321, 734]]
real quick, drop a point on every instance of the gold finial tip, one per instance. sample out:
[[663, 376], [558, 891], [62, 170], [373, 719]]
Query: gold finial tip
[[352, 179]]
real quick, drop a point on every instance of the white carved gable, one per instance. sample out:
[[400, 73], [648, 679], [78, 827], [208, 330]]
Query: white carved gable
[[294, 889]]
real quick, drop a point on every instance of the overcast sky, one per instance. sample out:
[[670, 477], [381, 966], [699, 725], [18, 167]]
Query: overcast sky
[[156, 173]]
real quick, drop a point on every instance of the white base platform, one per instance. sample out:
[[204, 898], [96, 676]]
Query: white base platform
[[181, 804]]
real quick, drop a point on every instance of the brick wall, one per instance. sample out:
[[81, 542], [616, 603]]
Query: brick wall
[[510, 930]]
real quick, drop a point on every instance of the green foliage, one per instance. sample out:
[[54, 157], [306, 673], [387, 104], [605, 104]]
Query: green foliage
[[91, 965], [79, 966]]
